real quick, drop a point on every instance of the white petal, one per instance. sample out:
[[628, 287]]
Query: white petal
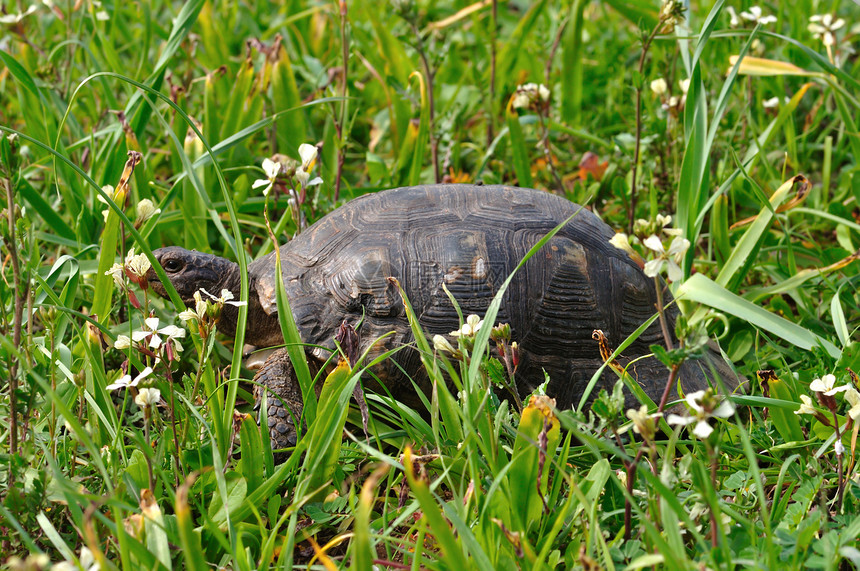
[[271, 168], [154, 341], [120, 383], [654, 243], [653, 267], [680, 420], [694, 399], [261, 182], [308, 153], [675, 272], [678, 246], [302, 176], [188, 315], [316, 181], [151, 323], [725, 410], [138, 336], [172, 331], [122, 342], [659, 86], [703, 429]]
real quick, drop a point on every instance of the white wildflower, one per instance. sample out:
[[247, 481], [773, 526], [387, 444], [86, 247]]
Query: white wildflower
[[470, 328], [824, 27], [137, 265], [122, 342], [199, 311], [670, 258], [126, 381], [272, 170], [226, 297], [16, 18], [853, 398], [622, 242], [734, 21], [528, 94], [806, 406], [643, 422], [659, 86], [754, 14], [685, 85], [308, 154], [703, 406], [147, 397], [771, 103], [442, 345], [827, 385], [145, 210], [117, 272]]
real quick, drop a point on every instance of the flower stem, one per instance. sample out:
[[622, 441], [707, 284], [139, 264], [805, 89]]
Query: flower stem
[[635, 170]]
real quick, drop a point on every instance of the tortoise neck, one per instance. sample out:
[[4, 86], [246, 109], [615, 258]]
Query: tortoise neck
[[259, 326], [230, 313]]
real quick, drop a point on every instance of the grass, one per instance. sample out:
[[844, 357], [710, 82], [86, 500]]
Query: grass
[[755, 158]]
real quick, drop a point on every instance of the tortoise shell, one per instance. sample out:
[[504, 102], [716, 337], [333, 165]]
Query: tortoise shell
[[469, 239]]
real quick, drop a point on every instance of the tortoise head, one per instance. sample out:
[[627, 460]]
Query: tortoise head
[[189, 271]]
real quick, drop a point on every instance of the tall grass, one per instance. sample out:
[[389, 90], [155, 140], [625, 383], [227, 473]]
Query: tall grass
[[767, 196]]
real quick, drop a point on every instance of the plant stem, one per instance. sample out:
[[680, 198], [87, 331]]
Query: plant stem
[[429, 74], [669, 383], [494, 24], [16, 323], [713, 458], [664, 325], [645, 45], [840, 485], [173, 426], [344, 41]]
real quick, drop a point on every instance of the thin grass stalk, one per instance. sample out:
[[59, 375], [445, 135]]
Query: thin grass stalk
[[20, 294], [341, 123], [637, 146], [430, 74], [494, 31]]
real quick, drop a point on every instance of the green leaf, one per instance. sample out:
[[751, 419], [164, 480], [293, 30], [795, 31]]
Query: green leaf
[[702, 289]]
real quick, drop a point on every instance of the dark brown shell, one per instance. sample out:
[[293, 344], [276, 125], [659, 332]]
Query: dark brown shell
[[470, 238]]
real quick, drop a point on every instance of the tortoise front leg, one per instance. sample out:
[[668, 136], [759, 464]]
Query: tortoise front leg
[[284, 403]]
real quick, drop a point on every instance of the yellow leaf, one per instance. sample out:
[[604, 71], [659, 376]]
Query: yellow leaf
[[762, 67]]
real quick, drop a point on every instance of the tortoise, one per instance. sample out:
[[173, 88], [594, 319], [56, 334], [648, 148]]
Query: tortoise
[[468, 238]]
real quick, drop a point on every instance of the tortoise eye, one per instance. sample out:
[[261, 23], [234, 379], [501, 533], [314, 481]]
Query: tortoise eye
[[172, 265]]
